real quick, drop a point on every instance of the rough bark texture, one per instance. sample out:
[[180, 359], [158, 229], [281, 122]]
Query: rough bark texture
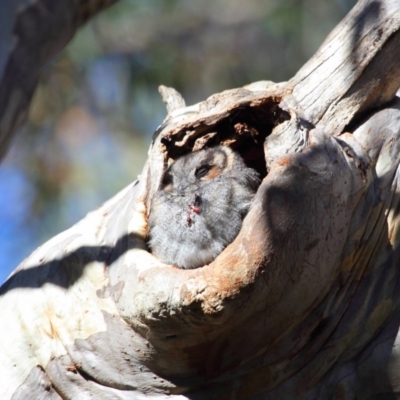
[[304, 304]]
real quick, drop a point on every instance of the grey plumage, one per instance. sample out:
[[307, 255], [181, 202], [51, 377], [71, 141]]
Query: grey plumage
[[199, 206]]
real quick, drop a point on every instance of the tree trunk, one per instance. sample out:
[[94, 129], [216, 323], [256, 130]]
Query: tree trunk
[[304, 304]]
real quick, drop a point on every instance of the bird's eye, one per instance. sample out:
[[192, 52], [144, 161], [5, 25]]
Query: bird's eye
[[166, 182], [202, 171]]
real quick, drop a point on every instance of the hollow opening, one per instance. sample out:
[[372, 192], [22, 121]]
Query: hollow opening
[[244, 130]]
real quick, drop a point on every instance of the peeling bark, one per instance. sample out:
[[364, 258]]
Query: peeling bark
[[303, 304]]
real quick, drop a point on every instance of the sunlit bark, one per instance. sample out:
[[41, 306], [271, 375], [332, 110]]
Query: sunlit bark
[[304, 304]]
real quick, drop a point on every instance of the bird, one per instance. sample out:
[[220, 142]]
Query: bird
[[199, 206]]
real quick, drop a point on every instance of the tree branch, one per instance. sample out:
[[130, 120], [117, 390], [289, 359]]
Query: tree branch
[[41, 30], [345, 77], [303, 304]]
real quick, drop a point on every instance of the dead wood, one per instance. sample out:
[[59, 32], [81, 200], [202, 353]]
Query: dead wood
[[303, 304]]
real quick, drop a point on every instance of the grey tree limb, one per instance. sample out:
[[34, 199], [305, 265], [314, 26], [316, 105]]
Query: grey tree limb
[[40, 30], [304, 304]]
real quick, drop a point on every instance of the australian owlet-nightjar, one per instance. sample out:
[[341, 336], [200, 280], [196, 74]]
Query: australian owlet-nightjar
[[199, 207]]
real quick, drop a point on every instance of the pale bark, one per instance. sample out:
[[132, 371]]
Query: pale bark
[[304, 304]]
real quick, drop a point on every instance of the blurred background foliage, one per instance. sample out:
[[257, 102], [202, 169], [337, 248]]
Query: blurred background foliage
[[97, 103]]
